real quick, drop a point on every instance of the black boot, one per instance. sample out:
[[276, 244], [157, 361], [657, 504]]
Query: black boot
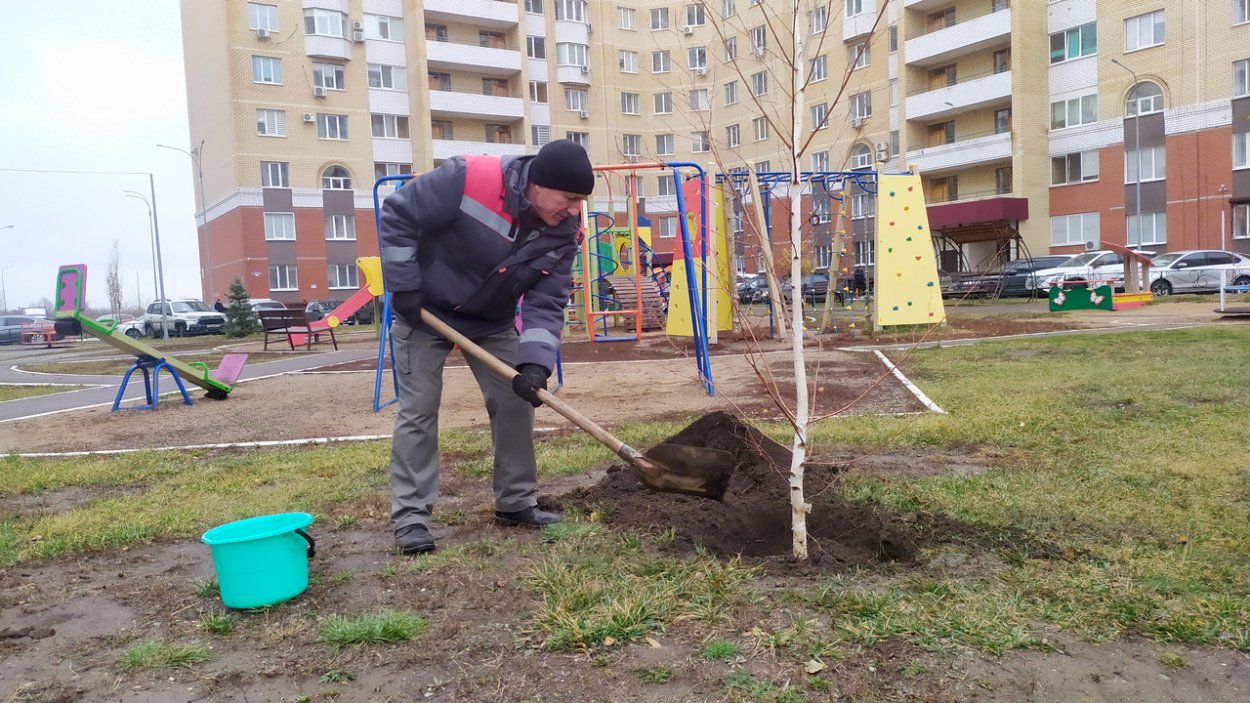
[[414, 539], [529, 517]]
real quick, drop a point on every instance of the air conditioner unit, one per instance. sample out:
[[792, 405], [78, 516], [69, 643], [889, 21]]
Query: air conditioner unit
[[701, 71], [260, 126], [631, 159], [585, 70], [757, 51], [262, 34], [687, 30], [856, 122], [319, 92], [1091, 246], [310, 117], [358, 26], [358, 36], [883, 151], [584, 115], [590, 28]]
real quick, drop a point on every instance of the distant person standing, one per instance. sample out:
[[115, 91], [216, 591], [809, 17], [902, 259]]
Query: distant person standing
[[859, 282], [219, 307]]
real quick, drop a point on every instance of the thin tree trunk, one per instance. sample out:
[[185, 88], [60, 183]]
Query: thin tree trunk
[[799, 506]]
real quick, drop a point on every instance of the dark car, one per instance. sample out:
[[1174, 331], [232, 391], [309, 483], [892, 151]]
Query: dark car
[[319, 309], [754, 289], [11, 327], [814, 288], [1009, 280]]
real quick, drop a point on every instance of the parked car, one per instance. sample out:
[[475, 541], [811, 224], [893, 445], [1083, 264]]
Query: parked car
[[753, 289], [11, 327], [318, 309], [129, 326], [1011, 279], [1090, 266], [259, 304], [1194, 271], [813, 287], [185, 315]]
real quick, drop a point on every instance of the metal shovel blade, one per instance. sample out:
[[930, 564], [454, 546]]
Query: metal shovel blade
[[696, 471]]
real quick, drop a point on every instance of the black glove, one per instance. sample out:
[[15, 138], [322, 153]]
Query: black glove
[[407, 304], [529, 378]]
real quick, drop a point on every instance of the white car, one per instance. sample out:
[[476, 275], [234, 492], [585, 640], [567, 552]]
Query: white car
[[130, 328], [1090, 266], [1200, 270]]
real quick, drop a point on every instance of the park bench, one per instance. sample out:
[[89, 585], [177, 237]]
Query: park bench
[[289, 323]]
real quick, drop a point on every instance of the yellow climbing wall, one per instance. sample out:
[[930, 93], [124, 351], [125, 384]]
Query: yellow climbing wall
[[907, 288], [719, 276]]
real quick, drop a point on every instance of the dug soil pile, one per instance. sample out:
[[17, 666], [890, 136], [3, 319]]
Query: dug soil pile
[[754, 518]]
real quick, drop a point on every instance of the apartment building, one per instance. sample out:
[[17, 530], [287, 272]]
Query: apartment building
[[1022, 117]]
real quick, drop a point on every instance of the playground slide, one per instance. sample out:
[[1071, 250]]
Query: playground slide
[[71, 282], [371, 267]]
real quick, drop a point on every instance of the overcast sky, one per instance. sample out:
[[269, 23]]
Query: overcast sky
[[103, 84]]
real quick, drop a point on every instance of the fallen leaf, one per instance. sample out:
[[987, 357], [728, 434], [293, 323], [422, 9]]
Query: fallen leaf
[[814, 666], [609, 641], [653, 643]]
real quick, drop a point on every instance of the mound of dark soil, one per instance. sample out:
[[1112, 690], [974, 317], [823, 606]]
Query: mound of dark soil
[[754, 518]]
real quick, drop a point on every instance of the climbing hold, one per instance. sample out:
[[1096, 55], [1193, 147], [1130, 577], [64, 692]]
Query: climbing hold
[[891, 194], [909, 239], [909, 303], [930, 284], [909, 189], [920, 227], [890, 249], [899, 274], [896, 308], [917, 258], [906, 208], [891, 223]]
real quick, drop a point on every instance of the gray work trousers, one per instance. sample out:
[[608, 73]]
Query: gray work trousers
[[419, 358]]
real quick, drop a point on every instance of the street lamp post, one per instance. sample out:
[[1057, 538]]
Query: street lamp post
[[4, 293], [156, 289], [159, 271], [1136, 154], [202, 217]]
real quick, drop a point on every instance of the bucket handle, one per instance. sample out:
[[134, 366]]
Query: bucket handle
[[312, 543]]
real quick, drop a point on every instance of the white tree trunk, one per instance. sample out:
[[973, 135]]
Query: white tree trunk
[[799, 506]]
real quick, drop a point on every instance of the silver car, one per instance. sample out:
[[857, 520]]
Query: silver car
[[1197, 271]]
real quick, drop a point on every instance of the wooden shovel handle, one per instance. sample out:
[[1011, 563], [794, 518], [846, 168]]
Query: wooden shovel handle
[[587, 425]]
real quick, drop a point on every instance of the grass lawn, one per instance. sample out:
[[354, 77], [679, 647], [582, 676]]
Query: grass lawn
[[9, 392], [1121, 512]]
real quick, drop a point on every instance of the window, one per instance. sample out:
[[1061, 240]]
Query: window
[[271, 123], [893, 92], [341, 227], [266, 69], [274, 174], [279, 226], [861, 105], [571, 10], [894, 142], [631, 144], [568, 54], [663, 103], [661, 62], [540, 134], [731, 92], [818, 19], [665, 186], [1081, 167], [699, 100], [262, 16], [576, 100], [1002, 180], [659, 18], [442, 129], [331, 126], [1002, 121], [626, 18], [496, 87], [388, 77], [941, 133], [820, 116], [1074, 43], [824, 255], [865, 253], [1074, 229], [1241, 221], [856, 7], [1241, 147], [336, 178], [535, 47], [1241, 77], [1144, 31], [893, 38], [731, 49], [283, 277], [696, 57], [759, 126], [861, 156], [863, 206], [699, 142], [439, 81], [534, 7], [581, 139], [389, 126], [1241, 11], [1077, 111], [1002, 61], [942, 190], [382, 169], [384, 28], [666, 227], [436, 32], [759, 40], [665, 144], [1150, 162], [759, 83], [857, 55], [325, 23], [820, 68], [695, 16], [342, 275], [733, 136], [328, 76], [628, 61], [629, 104], [820, 161], [1145, 98], [538, 92], [728, 8], [1146, 229]]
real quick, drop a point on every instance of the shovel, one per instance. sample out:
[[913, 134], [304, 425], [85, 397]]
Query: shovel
[[668, 468]]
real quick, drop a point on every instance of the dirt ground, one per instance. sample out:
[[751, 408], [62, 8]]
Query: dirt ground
[[64, 623]]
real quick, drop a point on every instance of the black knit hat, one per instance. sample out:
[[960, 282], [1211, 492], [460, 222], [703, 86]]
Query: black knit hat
[[563, 165]]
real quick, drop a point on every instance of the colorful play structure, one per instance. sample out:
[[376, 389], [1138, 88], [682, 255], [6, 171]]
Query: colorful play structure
[[371, 268], [1099, 294], [71, 286]]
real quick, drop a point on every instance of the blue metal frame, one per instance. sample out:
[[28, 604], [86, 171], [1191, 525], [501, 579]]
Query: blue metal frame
[[151, 384]]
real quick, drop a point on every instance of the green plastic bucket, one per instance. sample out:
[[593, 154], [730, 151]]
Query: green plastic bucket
[[261, 560]]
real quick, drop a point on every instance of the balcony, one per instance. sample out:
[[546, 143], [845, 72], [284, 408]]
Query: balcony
[[925, 5], [323, 47], [964, 152], [858, 25], [968, 36], [448, 103], [444, 55], [969, 94], [575, 75], [447, 148], [482, 13]]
